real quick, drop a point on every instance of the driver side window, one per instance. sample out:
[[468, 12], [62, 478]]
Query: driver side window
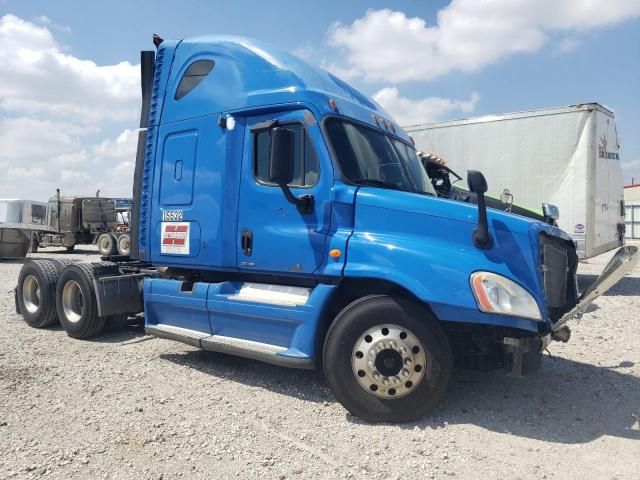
[[306, 168]]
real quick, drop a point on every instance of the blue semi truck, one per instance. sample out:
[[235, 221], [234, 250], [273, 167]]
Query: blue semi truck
[[281, 215]]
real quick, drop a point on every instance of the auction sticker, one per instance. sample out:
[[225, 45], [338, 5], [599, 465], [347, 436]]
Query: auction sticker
[[175, 238]]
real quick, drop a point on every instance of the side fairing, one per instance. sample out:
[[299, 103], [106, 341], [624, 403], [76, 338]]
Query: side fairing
[[195, 193], [424, 244]]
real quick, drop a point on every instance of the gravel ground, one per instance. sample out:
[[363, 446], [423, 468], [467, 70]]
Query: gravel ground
[[130, 406]]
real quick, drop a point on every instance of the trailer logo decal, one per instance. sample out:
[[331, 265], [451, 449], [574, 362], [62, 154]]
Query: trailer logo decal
[[602, 150], [175, 238]]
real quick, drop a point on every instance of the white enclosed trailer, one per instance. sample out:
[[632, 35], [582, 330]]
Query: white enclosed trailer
[[567, 156]]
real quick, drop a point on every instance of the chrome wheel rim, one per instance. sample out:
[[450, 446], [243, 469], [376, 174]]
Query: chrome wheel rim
[[72, 301], [31, 293], [388, 361]]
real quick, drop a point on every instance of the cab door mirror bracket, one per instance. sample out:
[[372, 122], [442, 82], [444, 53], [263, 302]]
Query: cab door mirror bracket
[[281, 165], [478, 185]]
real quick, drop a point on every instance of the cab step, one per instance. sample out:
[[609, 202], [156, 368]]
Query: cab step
[[263, 352]]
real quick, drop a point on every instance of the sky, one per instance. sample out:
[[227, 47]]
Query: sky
[[70, 88]]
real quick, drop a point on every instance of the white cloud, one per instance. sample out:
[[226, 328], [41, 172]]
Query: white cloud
[[568, 45], [123, 146], [469, 35], [304, 52], [38, 78], [53, 108], [411, 112]]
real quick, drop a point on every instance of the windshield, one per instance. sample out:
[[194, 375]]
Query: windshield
[[370, 157]]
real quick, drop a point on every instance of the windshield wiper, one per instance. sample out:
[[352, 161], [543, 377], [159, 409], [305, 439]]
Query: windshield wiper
[[373, 182]]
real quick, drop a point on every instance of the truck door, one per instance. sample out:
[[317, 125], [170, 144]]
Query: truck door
[[273, 236]]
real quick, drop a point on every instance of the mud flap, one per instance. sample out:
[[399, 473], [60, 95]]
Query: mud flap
[[15, 298], [623, 262]]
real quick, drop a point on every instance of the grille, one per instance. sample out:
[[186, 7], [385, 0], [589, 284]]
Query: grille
[[559, 263]]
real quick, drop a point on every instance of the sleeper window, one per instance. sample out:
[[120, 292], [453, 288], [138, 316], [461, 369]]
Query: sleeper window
[[305, 168], [193, 76]]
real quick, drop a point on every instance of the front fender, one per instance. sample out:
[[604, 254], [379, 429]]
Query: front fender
[[433, 257]]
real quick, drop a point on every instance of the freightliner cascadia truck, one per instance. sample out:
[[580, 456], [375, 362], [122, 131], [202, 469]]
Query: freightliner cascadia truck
[[281, 215]]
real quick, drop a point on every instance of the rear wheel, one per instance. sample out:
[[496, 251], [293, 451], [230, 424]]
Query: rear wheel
[[387, 359], [124, 244], [107, 244], [36, 293], [76, 302], [60, 263]]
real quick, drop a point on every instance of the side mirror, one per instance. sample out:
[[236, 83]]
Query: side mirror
[[281, 165], [476, 181], [281, 156], [478, 185], [551, 213]]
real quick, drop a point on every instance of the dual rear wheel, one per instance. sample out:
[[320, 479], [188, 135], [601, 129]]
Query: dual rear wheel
[[112, 244], [61, 290]]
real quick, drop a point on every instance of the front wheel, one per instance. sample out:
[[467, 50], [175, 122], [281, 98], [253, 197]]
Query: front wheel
[[387, 359]]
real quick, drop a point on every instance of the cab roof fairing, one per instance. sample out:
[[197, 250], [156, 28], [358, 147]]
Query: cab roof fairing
[[249, 74]]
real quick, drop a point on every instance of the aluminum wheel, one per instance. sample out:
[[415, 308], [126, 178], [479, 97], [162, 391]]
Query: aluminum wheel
[[124, 244], [388, 361], [104, 243], [31, 293], [72, 301]]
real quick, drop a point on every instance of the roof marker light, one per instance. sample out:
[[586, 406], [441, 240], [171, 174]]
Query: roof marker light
[[333, 104], [375, 119], [393, 127], [384, 123]]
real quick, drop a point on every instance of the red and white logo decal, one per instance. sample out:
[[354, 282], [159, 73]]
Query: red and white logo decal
[[175, 238]]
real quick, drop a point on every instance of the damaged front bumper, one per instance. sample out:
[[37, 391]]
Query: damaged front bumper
[[622, 263]]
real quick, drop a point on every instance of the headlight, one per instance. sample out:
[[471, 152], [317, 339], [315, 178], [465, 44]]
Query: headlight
[[497, 294]]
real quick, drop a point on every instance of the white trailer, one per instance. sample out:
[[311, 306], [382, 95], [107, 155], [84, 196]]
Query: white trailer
[[19, 221], [567, 156]]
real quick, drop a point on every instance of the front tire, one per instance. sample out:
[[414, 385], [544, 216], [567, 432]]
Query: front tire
[[387, 359], [76, 302]]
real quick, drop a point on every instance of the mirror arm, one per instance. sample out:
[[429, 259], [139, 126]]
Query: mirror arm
[[481, 236], [304, 204]]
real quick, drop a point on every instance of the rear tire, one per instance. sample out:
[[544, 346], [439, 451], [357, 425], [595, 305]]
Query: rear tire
[[36, 293], [124, 244], [76, 302], [61, 263], [387, 359], [107, 244]]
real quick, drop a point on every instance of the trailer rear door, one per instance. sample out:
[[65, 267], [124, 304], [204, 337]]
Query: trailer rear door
[[608, 185]]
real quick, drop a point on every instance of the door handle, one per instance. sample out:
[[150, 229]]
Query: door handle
[[246, 241]]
